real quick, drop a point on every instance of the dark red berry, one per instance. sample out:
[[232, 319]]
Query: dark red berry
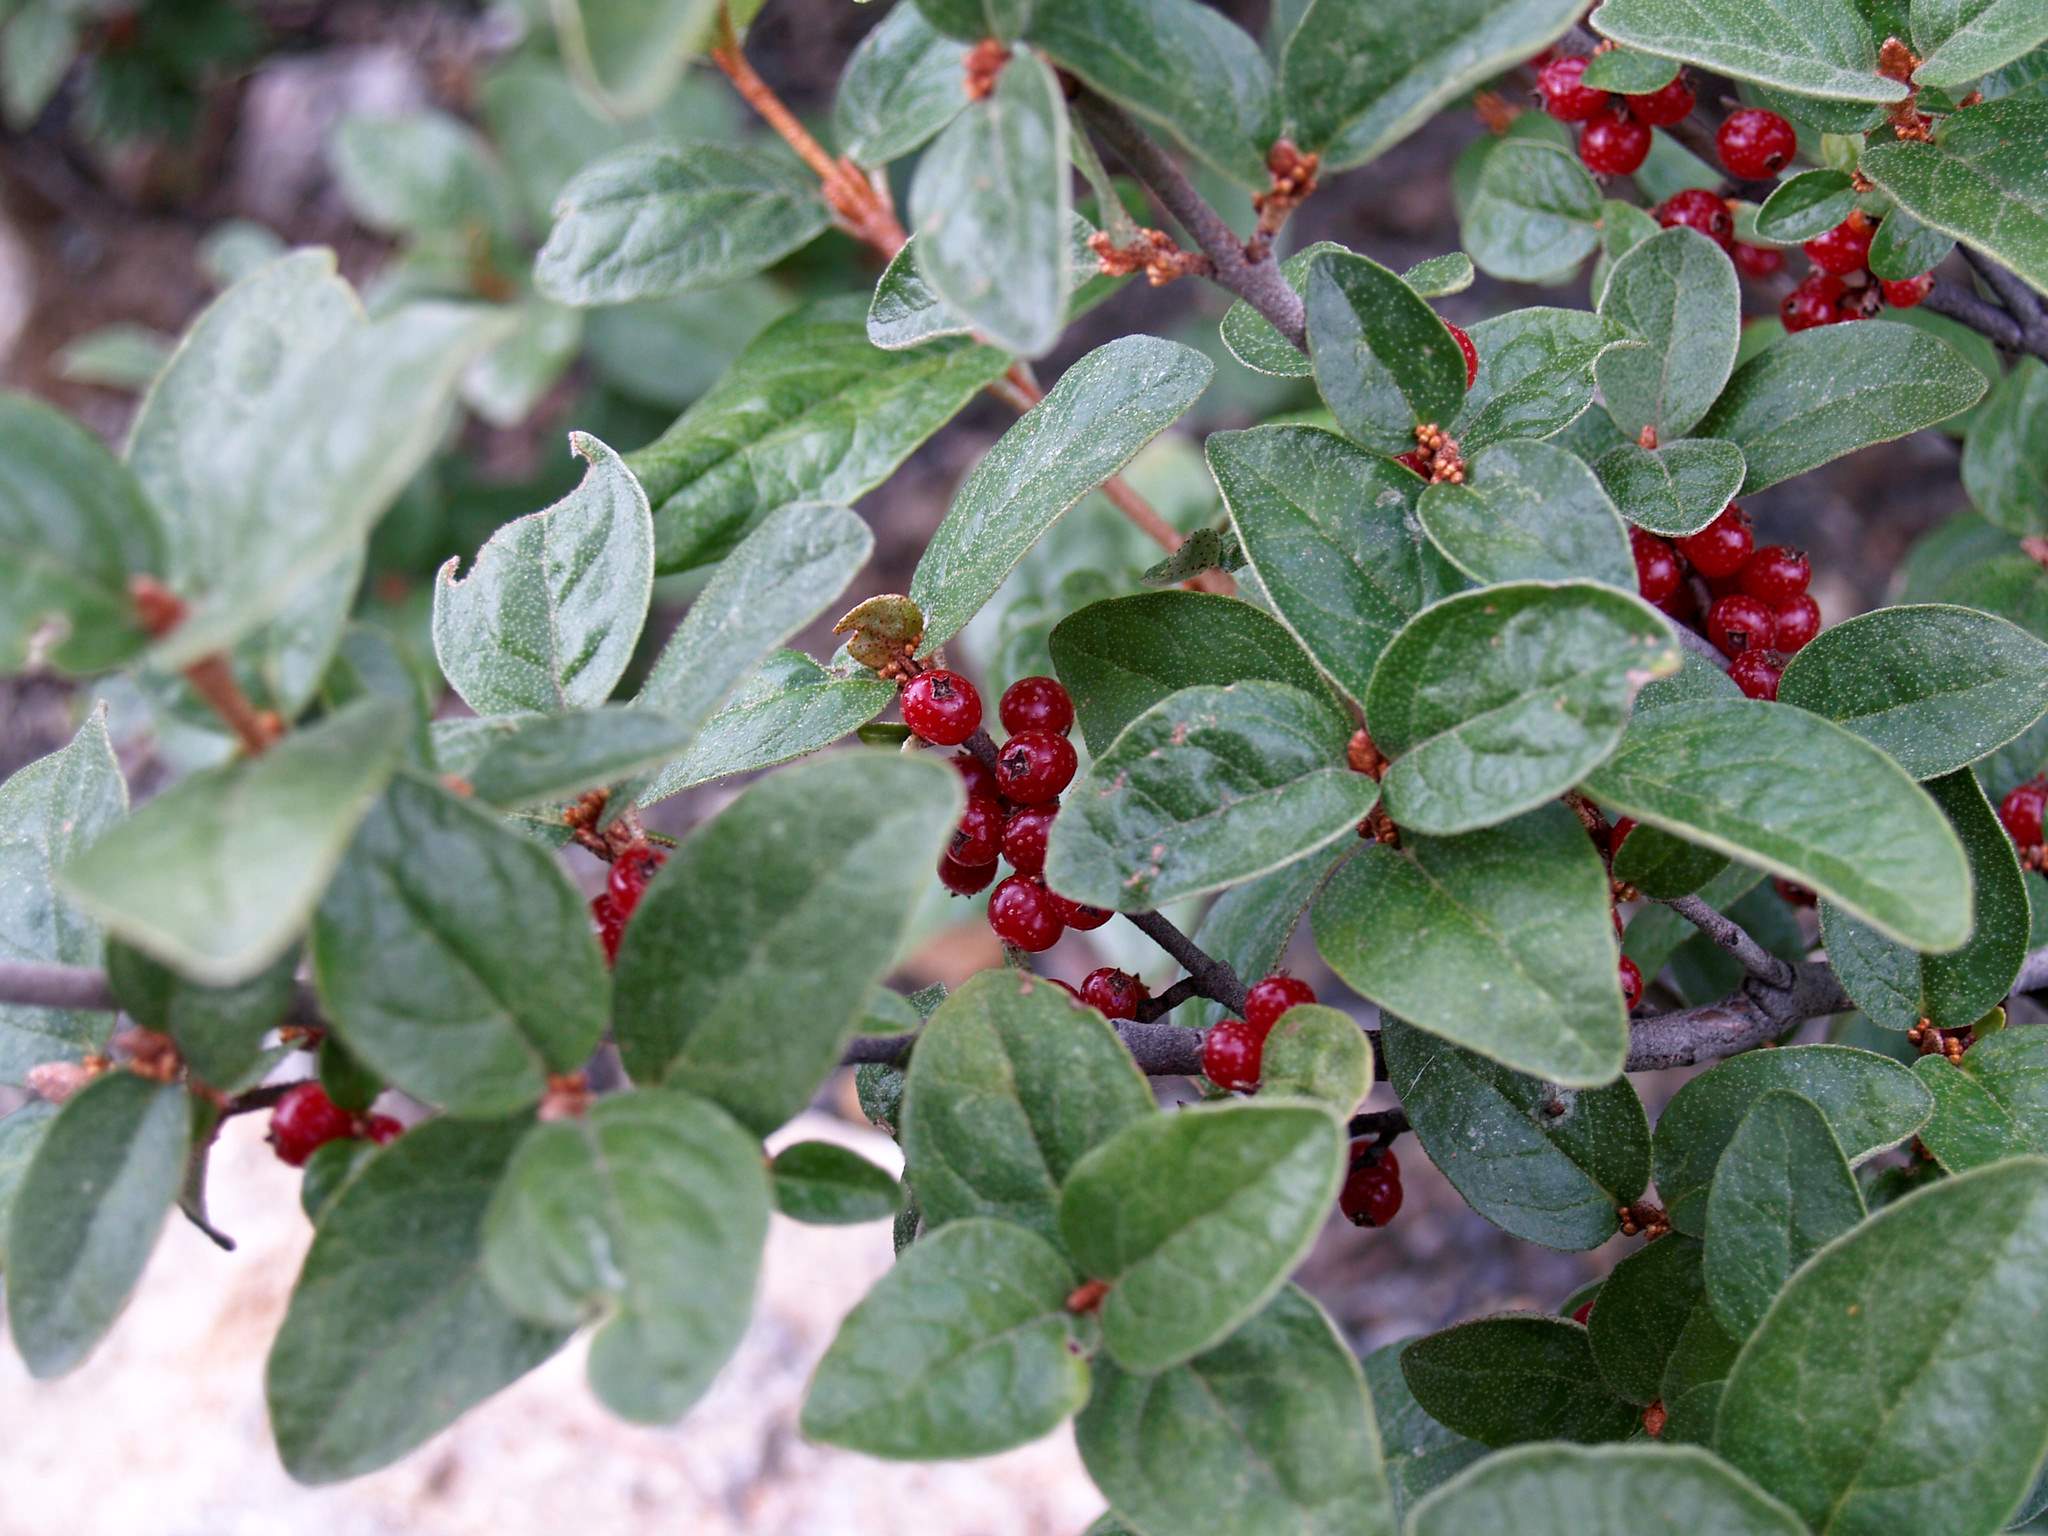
[[1723, 546], [1662, 107], [1776, 574], [1739, 623], [382, 1129], [1796, 622], [1623, 825], [1614, 144], [1794, 895], [1032, 767], [1065, 986], [1756, 673], [1415, 459], [1812, 303], [975, 774], [1583, 1313], [1113, 993], [1075, 914], [1036, 704], [1631, 984], [1564, 98], [609, 922], [1021, 912], [1843, 249], [2022, 811], [630, 872], [1907, 292], [1271, 997], [304, 1121], [1755, 144], [1371, 1195], [1683, 604], [1759, 261], [1657, 572], [979, 836], [942, 707], [1024, 836], [1697, 208], [1230, 1055], [1471, 353], [965, 879]]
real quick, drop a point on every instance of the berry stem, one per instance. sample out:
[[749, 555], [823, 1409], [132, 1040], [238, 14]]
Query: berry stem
[[160, 611], [1382, 1124], [1731, 936], [1159, 1007], [1216, 979]]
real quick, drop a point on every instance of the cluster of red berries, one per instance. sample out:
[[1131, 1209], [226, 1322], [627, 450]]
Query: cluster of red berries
[[305, 1120], [2022, 811], [1372, 1190], [1840, 286], [1615, 140], [1758, 609], [623, 887], [1233, 1051]]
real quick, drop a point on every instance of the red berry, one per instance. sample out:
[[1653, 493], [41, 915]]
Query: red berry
[[979, 836], [1755, 144], [1907, 292], [1797, 622], [1076, 914], [942, 707], [1758, 261], [1662, 107], [1657, 572], [1811, 303], [1564, 98], [1623, 825], [1415, 459], [1230, 1055], [1776, 574], [1583, 1313], [1273, 996], [1024, 836], [2022, 811], [1036, 704], [1021, 912], [1032, 767], [1794, 895], [1697, 208], [965, 879], [1756, 673], [1631, 984], [1683, 604], [1860, 300], [1614, 144], [975, 774], [609, 921], [630, 872], [304, 1121], [1471, 353], [1843, 249], [383, 1129], [1113, 993], [1740, 623], [1372, 1193], [1065, 986], [1721, 548]]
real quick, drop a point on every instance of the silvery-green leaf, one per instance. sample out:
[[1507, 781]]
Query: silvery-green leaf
[[1675, 489], [1824, 48], [1528, 511], [1677, 292]]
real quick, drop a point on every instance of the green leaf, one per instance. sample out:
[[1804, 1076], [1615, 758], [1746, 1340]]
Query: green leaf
[[1825, 50], [1089, 425], [420, 173], [219, 1030], [990, 202], [1673, 490], [1834, 1393], [547, 759], [1253, 341], [1959, 40], [74, 526], [629, 54], [1628, 73], [1421, 1454], [1499, 941], [1820, 394], [1796, 796], [1536, 369], [507, 383], [1870, 1101], [965, 1348], [121, 356], [1357, 78], [972, 20], [52, 811], [1196, 1219], [1782, 1191], [21, 1131], [1248, 927], [1010, 1085], [455, 958], [393, 1333], [1494, 701], [1609, 1490], [1677, 292], [2005, 457], [1664, 867], [1528, 512], [1503, 1380], [901, 85], [1320, 1053], [648, 1213], [1210, 786], [907, 312], [87, 1213], [1992, 1104], [1645, 1305], [652, 220], [1550, 1165], [217, 875], [1806, 204], [1534, 211], [826, 1184], [1384, 361], [749, 960], [1269, 1431], [549, 613], [1903, 247]]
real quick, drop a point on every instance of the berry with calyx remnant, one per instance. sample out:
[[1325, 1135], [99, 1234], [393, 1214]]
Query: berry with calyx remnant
[[1758, 261], [1631, 984], [2022, 811], [1231, 1053], [304, 1121], [1113, 993], [1722, 547], [1845, 248], [382, 1129], [635, 866], [1757, 673], [1371, 1195], [1668, 104], [1022, 913], [1614, 144], [1755, 144], [1564, 97], [1739, 623], [1032, 767], [1024, 836], [979, 836], [1075, 914], [1698, 209], [609, 922], [1816, 301], [941, 707], [1776, 574], [1036, 704], [1271, 997], [1906, 292]]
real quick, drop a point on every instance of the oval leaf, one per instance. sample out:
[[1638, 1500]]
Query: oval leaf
[[1673, 490], [1384, 361], [1528, 512], [1313, 1052], [1990, 1105], [1677, 292], [1982, 182], [1561, 1490], [1536, 370], [829, 1185], [1829, 52], [1503, 1380], [901, 85]]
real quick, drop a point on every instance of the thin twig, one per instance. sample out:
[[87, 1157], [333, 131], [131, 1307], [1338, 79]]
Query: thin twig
[[1154, 1008], [1979, 314], [1732, 937], [1218, 981]]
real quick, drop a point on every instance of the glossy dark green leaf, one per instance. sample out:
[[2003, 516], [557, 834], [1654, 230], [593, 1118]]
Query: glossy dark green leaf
[[1536, 371], [1673, 490], [826, 1184], [1499, 941], [1011, 1084], [2005, 457], [219, 1030], [1609, 1490], [1420, 1453], [1196, 1219], [1992, 1104], [1384, 361], [1504, 1380], [1248, 927], [901, 85], [1534, 211], [1644, 1307], [1676, 291], [1806, 204], [546, 759], [1825, 49], [966, 1347], [1209, 787], [1314, 1052], [1528, 511], [1550, 1165]]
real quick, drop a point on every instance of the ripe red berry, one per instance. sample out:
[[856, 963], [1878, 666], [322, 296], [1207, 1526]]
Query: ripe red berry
[[630, 872], [1681, 605], [1739, 623], [1631, 984], [1614, 144], [1812, 303], [1021, 912], [1032, 767], [942, 707], [1776, 574], [1757, 672], [1664, 106], [965, 879], [609, 922], [1036, 704], [1471, 353], [1074, 914], [1269, 998], [1371, 1195], [2022, 811], [1843, 249], [1794, 895], [1755, 144], [1583, 1313], [1564, 98], [979, 836], [382, 1129], [304, 1121], [1796, 622], [1657, 572], [1623, 825], [1414, 459], [1065, 986], [1230, 1055], [1697, 208], [1907, 292], [975, 774], [1720, 548], [1024, 836], [1758, 261], [1113, 993]]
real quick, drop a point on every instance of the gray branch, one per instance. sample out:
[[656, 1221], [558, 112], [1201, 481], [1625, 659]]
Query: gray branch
[[1730, 936]]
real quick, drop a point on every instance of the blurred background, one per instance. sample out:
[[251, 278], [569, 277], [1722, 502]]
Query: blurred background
[[152, 154]]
